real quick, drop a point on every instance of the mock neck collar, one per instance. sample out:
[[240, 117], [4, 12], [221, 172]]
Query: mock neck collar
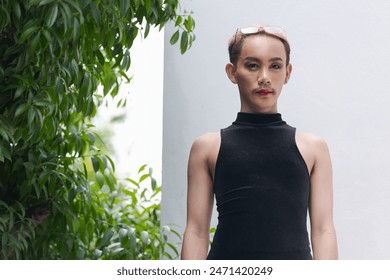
[[259, 119]]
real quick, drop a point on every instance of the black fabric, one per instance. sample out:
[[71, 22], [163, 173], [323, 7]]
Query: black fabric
[[261, 186]]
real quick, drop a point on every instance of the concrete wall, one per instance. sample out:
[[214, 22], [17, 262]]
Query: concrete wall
[[339, 89]]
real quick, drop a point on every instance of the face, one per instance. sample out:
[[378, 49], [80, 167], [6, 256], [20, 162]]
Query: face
[[260, 73]]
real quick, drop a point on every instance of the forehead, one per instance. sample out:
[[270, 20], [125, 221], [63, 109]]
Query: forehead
[[263, 47]]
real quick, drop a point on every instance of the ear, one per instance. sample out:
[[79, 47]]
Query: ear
[[288, 73], [231, 72]]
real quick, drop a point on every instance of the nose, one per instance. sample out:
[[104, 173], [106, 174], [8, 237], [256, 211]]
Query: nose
[[263, 77]]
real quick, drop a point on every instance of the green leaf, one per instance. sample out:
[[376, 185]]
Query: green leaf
[[176, 233], [124, 6], [66, 15], [95, 13], [156, 190], [113, 245], [69, 243], [142, 168], [100, 56], [80, 254], [125, 65], [133, 195], [75, 5], [4, 153], [44, 2], [31, 114], [147, 30], [47, 35], [175, 37], [97, 253], [4, 242], [132, 181], [4, 134], [102, 183], [154, 184], [148, 6], [21, 109], [75, 68], [18, 92], [11, 221], [42, 101], [7, 16], [92, 138], [184, 42], [117, 250], [28, 32], [107, 236], [143, 177], [112, 164], [5, 205], [173, 248], [145, 237], [37, 190], [22, 209], [76, 30], [189, 24], [17, 10], [179, 20], [52, 15]]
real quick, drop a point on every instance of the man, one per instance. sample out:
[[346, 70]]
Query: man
[[264, 174]]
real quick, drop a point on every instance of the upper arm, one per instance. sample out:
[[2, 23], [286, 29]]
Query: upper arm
[[321, 192], [200, 196]]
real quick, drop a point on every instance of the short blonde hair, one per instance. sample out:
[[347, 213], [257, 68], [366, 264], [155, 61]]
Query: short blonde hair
[[236, 41]]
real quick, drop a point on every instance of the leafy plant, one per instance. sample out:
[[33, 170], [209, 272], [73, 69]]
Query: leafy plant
[[135, 210], [53, 56], [120, 222]]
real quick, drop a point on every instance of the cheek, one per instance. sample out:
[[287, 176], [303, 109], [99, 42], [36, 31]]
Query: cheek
[[247, 83], [279, 78], [247, 78]]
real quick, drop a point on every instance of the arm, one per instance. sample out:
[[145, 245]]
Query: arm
[[200, 198], [323, 234]]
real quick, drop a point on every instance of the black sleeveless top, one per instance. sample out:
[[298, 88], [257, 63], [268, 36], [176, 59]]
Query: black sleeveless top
[[261, 185]]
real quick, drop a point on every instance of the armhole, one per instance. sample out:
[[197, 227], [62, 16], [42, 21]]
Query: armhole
[[299, 153], [216, 170]]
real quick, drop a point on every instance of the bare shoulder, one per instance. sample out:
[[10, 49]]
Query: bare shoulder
[[313, 148], [205, 150], [313, 141], [206, 142]]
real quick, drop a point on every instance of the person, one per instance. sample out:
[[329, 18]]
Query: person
[[265, 175]]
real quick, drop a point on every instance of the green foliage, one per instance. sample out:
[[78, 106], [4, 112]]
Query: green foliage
[[118, 220], [142, 237], [53, 56]]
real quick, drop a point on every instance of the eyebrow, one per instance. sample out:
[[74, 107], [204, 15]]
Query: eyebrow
[[251, 58]]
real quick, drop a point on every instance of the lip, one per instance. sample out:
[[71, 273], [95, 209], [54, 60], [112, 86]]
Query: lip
[[264, 91]]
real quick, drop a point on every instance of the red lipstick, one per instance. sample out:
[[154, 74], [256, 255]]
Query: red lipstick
[[264, 92]]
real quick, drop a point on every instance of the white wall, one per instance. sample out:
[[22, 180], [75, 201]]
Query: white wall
[[339, 89], [137, 140]]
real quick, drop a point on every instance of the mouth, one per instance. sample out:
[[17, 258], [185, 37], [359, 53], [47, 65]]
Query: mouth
[[264, 91]]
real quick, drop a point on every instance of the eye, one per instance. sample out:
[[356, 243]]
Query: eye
[[252, 66], [276, 66]]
